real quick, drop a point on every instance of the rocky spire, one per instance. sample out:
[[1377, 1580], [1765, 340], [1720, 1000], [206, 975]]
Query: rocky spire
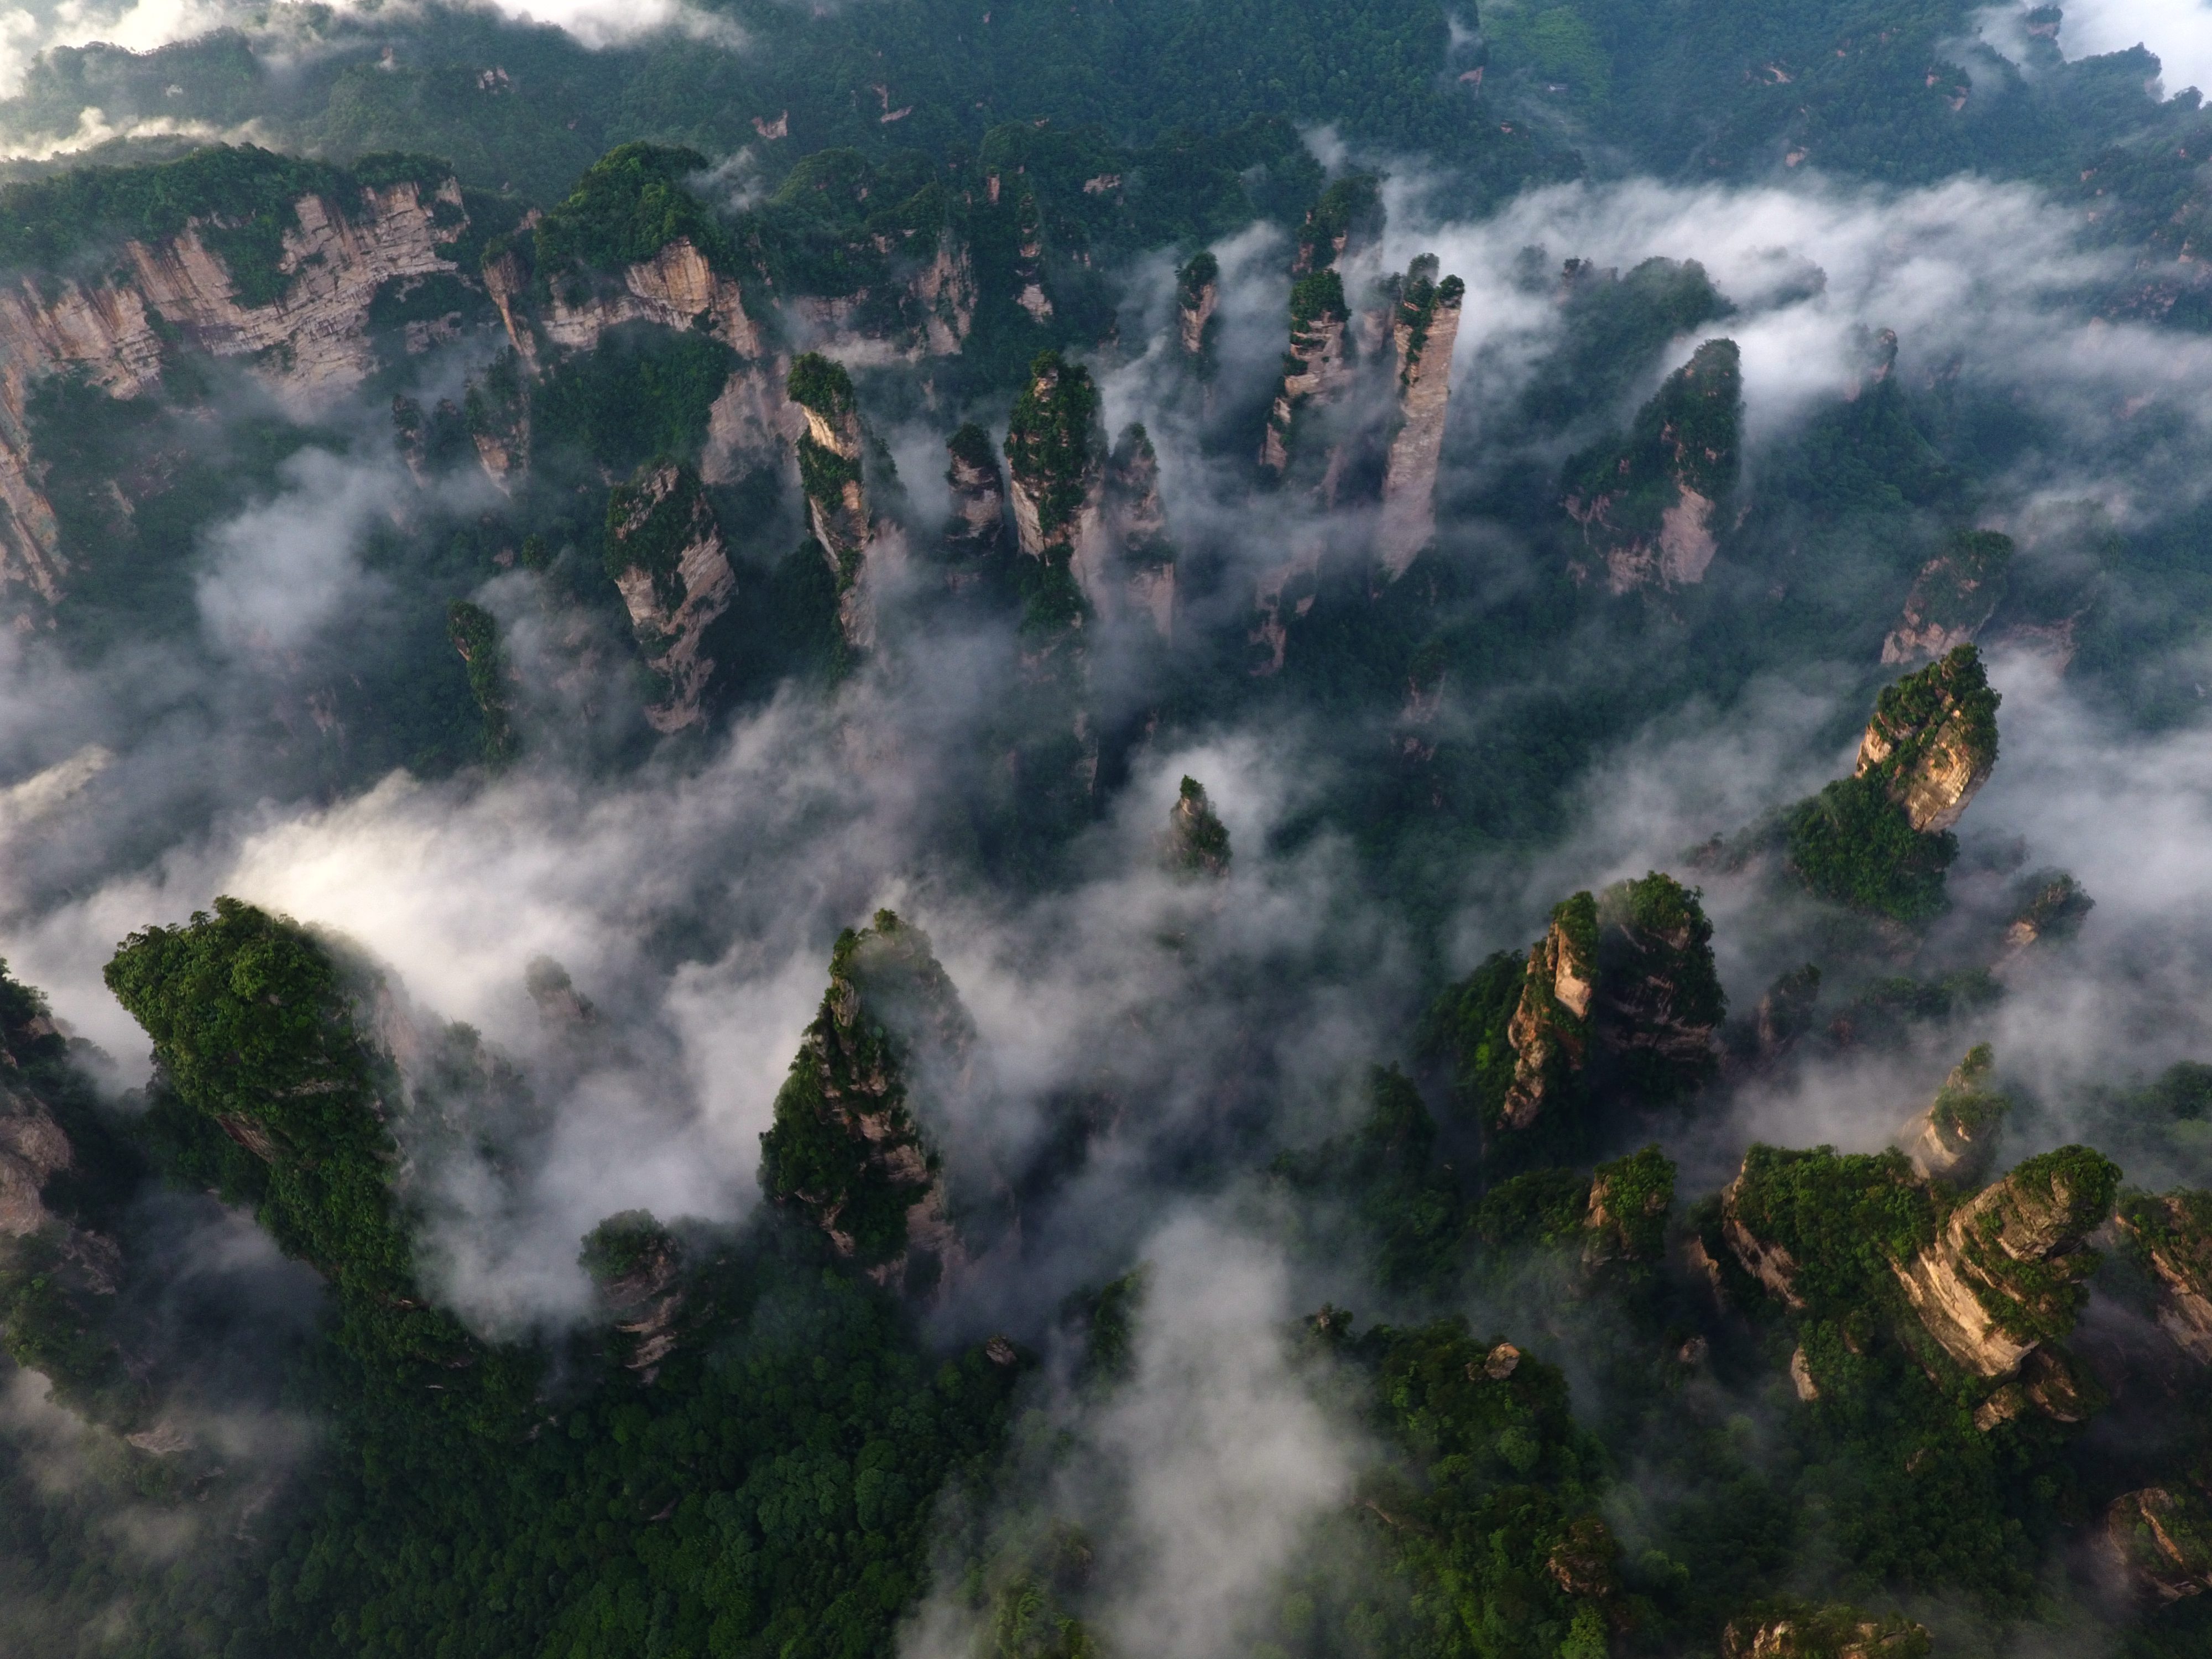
[[1650, 505], [1424, 331], [1316, 369], [1131, 565], [975, 532], [1055, 459], [858, 1136], [1198, 294], [1197, 841], [665, 553], [834, 479], [1933, 740], [2169, 1236], [1951, 1138]]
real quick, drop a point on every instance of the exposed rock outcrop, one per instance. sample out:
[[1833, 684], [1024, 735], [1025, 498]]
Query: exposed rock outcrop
[[1550, 1028], [1951, 1137], [1659, 998], [32, 1150], [665, 552], [2049, 906], [1056, 463], [1629, 1201], [2160, 1540], [859, 1122], [1127, 565], [1346, 217], [1316, 369], [1198, 296], [1803, 1630], [2170, 1237], [833, 475], [312, 339], [1650, 508], [1953, 598], [636, 1268], [675, 288], [1620, 993], [2003, 1274], [1769, 1262], [976, 538], [1424, 328], [1932, 743]]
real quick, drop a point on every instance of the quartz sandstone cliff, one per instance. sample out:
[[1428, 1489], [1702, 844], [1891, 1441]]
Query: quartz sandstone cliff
[[312, 340], [1425, 329], [670, 563], [1950, 1138], [1650, 506], [1933, 740], [2002, 1277], [860, 1121], [2171, 1236]]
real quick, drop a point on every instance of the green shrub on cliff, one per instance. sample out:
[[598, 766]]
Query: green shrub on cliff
[[628, 206]]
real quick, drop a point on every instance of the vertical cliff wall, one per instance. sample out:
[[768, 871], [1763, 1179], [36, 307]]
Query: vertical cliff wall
[[1424, 330], [177, 292]]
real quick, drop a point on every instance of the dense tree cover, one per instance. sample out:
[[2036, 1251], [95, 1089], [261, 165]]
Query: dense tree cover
[[762, 1489], [1853, 844], [765, 1486]]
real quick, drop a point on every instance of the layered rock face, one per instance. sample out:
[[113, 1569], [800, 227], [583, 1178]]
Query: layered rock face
[[1951, 1137], [1659, 998], [1766, 1260], [1933, 740], [1424, 330], [833, 476], [636, 1268], [1650, 508], [667, 556], [1550, 1029], [1316, 369], [675, 288], [2171, 1236], [312, 339], [2052, 906], [1953, 598], [2002, 1276], [855, 1143], [33, 1150], [1629, 1201]]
